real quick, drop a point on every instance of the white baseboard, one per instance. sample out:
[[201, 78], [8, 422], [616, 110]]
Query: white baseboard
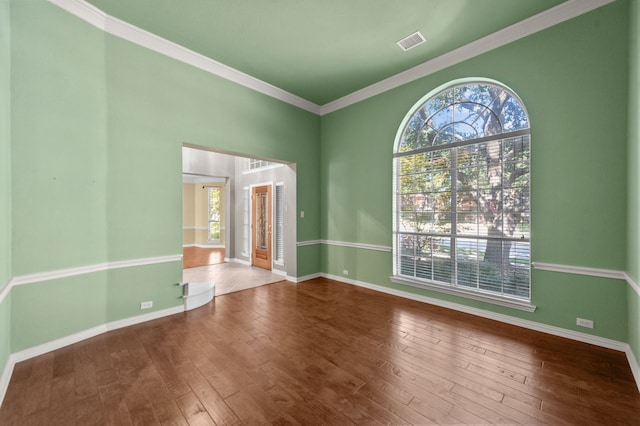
[[38, 350], [53, 345], [633, 363], [279, 272], [5, 377], [240, 261], [204, 246], [532, 325], [309, 277]]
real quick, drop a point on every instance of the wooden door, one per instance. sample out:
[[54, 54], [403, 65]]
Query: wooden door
[[261, 226]]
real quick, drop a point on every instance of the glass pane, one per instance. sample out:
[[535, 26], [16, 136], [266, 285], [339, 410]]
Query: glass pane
[[490, 197], [445, 135], [214, 203], [464, 132], [425, 137], [468, 274], [407, 266], [407, 245], [261, 221], [214, 231], [468, 224], [512, 115], [435, 104]]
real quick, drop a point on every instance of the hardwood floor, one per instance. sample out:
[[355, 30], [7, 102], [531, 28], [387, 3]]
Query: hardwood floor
[[193, 257], [322, 352]]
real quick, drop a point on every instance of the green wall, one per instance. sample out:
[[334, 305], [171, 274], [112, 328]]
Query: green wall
[[58, 149], [59, 109], [97, 130], [91, 130], [5, 178], [633, 250], [578, 167]]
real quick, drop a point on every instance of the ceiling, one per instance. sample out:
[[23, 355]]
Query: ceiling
[[321, 50]]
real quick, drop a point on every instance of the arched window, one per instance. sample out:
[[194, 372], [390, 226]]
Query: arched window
[[461, 193]]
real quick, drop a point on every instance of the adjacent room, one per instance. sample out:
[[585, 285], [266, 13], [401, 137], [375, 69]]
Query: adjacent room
[[443, 196]]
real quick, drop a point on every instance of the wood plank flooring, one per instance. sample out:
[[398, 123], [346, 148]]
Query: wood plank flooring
[[322, 352], [193, 257]]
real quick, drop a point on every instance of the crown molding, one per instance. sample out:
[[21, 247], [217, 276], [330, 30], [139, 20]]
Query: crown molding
[[140, 37], [543, 20]]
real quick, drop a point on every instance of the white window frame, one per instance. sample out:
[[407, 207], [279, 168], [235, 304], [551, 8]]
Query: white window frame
[[210, 189], [451, 286], [278, 224]]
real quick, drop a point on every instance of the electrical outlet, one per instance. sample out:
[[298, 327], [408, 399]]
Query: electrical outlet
[[584, 322], [345, 272], [146, 305], [301, 214]]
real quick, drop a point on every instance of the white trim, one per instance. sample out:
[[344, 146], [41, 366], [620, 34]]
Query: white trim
[[357, 245], [308, 243], [133, 34], [240, 261], [64, 273], [6, 289], [634, 285], [456, 291], [308, 277], [5, 377], [542, 266], [114, 325], [53, 345], [70, 272], [279, 272], [580, 270], [543, 20], [363, 246], [204, 245], [92, 332], [532, 325], [633, 363], [262, 169], [77, 337], [292, 279], [85, 11], [194, 178]]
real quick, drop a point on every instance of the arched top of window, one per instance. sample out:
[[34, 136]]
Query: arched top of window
[[473, 110]]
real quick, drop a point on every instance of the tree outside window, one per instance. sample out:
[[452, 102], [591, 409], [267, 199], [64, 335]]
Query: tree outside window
[[462, 178], [214, 214]]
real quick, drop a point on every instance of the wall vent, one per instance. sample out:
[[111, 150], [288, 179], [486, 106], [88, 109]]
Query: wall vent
[[411, 41]]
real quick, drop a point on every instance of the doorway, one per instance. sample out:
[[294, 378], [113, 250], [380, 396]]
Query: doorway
[[261, 226], [275, 246]]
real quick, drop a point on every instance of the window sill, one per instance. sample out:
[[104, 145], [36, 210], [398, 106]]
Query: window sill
[[455, 291]]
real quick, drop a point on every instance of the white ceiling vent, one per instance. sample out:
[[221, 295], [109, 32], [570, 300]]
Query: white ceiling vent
[[411, 41]]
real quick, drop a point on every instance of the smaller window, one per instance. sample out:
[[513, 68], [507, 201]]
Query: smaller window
[[279, 225], [246, 221], [214, 215], [255, 163]]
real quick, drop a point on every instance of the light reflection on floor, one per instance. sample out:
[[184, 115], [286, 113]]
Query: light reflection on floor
[[231, 277]]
